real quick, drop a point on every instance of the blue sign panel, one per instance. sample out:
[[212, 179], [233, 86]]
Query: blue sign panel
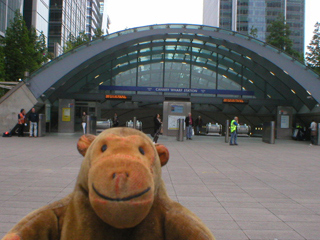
[[176, 90]]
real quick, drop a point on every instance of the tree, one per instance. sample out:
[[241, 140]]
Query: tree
[[97, 33], [16, 48], [82, 38], [2, 75], [279, 36], [40, 46], [23, 49], [313, 54], [253, 32], [74, 42], [1, 64]]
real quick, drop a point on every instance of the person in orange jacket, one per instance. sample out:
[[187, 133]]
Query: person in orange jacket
[[21, 122]]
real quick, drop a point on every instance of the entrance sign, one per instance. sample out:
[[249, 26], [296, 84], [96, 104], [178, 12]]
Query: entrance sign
[[233, 100], [176, 90], [117, 97]]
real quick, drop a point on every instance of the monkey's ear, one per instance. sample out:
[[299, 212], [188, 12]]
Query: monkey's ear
[[84, 142], [163, 154]]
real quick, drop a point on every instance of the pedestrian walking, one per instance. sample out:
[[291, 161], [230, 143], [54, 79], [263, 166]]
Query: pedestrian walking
[[84, 122], [115, 120], [198, 124], [157, 127], [313, 132], [189, 126]]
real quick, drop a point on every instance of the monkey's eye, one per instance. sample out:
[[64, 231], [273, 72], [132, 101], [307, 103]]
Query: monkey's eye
[[141, 150], [104, 147]]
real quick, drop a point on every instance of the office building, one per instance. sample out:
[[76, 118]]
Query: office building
[[94, 17], [105, 16], [36, 14], [67, 17], [7, 10], [244, 15]]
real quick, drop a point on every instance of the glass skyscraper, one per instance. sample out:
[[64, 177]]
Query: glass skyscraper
[[66, 17], [94, 17], [7, 9], [105, 17], [244, 15], [36, 14]]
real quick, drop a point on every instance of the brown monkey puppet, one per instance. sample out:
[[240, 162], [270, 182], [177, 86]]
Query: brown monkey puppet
[[119, 195]]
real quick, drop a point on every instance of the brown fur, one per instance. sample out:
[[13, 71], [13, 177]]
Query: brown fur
[[119, 195]]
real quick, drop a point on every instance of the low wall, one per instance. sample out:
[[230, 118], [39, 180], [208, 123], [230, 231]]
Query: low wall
[[11, 104]]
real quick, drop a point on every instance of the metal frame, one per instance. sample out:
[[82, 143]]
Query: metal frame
[[251, 59]]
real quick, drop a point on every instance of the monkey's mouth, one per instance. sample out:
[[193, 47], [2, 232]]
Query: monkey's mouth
[[120, 199]]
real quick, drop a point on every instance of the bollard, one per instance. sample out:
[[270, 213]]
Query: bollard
[[180, 133], [135, 122], [227, 132], [318, 135], [268, 134], [42, 125], [91, 127]]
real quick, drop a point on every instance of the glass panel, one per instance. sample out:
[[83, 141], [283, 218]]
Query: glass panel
[[171, 40], [177, 75], [176, 26], [197, 42], [151, 76], [140, 29], [145, 50], [158, 40], [171, 47], [126, 32], [184, 40], [209, 28], [159, 26], [127, 78], [193, 26]]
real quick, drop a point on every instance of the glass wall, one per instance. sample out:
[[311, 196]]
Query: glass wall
[[256, 15], [67, 17], [7, 9]]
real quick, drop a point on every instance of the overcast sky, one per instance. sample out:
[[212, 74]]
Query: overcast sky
[[133, 13]]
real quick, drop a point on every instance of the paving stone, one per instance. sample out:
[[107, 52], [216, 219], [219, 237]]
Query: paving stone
[[252, 191]]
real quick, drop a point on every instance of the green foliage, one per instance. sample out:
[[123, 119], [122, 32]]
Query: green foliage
[[2, 91], [97, 33], [1, 64], [24, 51], [74, 42], [313, 54], [16, 49], [82, 38], [253, 32], [279, 36]]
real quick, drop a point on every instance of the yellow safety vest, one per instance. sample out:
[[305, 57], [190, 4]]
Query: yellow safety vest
[[232, 126]]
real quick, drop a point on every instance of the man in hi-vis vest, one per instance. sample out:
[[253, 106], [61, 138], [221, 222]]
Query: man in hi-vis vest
[[233, 129]]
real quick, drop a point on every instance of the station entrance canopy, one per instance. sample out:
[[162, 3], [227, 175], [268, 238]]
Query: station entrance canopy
[[204, 64]]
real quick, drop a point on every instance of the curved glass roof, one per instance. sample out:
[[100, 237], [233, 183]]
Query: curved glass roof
[[177, 56]]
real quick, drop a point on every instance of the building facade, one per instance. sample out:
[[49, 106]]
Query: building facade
[[7, 10], [36, 14], [94, 17], [67, 17], [105, 16], [246, 15]]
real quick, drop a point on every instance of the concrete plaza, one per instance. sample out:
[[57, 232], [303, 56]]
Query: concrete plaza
[[251, 191]]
